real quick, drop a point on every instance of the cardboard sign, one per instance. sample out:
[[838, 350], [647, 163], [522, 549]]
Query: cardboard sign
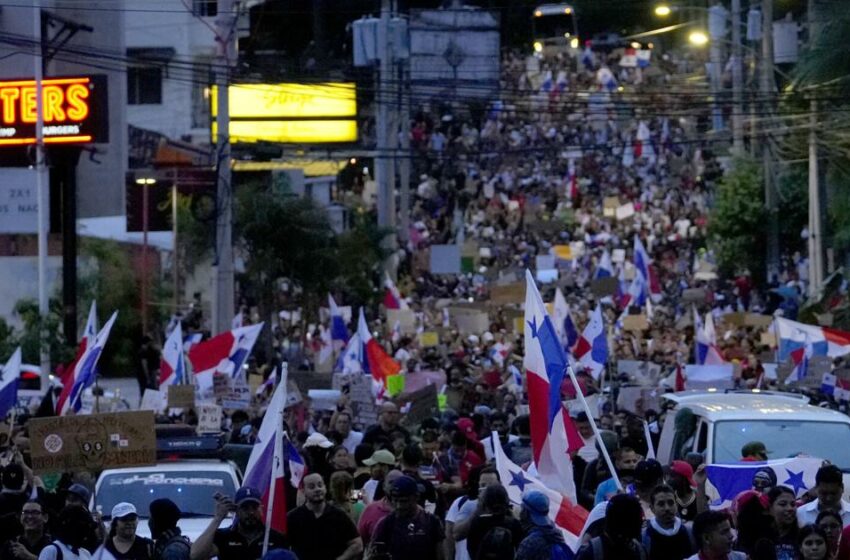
[[362, 401], [635, 323], [404, 318], [423, 404], [92, 442], [625, 211], [740, 319], [768, 339], [254, 382], [429, 339], [609, 206], [152, 400], [510, 293], [221, 385], [209, 419], [604, 287], [181, 396]]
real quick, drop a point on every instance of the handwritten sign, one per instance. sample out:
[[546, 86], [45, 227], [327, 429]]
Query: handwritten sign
[[92, 442], [362, 400], [209, 419]]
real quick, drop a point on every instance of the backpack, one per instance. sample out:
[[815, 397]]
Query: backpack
[[59, 554], [599, 553], [497, 544]]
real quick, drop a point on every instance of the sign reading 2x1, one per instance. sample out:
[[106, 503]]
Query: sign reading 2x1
[[74, 109]]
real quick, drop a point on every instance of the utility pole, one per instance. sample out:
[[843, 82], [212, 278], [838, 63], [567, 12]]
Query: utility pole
[[815, 239], [768, 89], [386, 138], [404, 162], [226, 38], [42, 187], [717, 30], [737, 81]]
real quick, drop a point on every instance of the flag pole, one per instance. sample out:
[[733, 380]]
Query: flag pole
[[277, 460], [596, 433]]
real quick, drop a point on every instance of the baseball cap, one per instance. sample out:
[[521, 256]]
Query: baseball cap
[[754, 449], [381, 456], [684, 469], [405, 486], [247, 494], [318, 440], [467, 427], [80, 491], [123, 509], [536, 503]]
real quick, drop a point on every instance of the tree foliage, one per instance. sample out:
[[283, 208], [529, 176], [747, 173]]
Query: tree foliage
[[737, 226]]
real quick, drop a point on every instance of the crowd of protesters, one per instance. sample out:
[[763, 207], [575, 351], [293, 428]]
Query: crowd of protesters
[[513, 181]]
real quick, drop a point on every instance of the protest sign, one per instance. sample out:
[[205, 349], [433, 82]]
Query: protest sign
[[404, 318], [506, 294], [544, 262], [639, 399], [693, 295], [209, 419], [741, 319], [324, 399], [395, 384], [635, 323], [254, 382], [445, 259], [152, 400], [562, 252], [221, 385], [604, 287], [470, 321], [415, 380], [307, 380], [239, 395], [768, 339], [92, 442], [362, 401], [609, 206], [625, 211], [181, 396], [705, 377], [428, 339], [618, 255], [546, 276], [423, 404], [639, 371]]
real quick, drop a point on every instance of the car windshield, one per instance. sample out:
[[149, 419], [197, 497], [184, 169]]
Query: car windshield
[[192, 491], [784, 438]]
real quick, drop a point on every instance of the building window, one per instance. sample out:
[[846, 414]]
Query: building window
[[144, 85], [207, 8]]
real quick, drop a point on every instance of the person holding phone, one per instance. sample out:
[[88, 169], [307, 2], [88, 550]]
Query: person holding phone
[[243, 540]]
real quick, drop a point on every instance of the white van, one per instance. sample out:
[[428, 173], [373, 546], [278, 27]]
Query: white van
[[786, 423]]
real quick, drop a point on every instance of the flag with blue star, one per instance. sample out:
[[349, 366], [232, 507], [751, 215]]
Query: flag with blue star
[[730, 480]]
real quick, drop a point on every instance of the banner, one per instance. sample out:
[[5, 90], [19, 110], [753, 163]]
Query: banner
[[93, 442]]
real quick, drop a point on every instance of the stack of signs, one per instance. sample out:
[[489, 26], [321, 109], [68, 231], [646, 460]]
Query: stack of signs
[[92, 442]]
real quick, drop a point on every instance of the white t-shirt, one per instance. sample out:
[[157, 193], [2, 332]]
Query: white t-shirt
[[456, 514], [352, 441], [49, 553]]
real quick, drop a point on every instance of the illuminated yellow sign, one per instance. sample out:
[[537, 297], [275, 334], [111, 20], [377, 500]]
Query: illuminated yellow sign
[[291, 113]]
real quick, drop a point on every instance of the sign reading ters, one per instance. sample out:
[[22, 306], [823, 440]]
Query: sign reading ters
[[74, 111]]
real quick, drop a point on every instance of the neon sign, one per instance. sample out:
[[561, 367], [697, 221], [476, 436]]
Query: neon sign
[[74, 111]]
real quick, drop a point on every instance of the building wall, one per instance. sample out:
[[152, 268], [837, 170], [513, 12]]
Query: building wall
[[193, 40]]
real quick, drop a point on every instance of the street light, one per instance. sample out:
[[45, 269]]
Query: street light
[[663, 10], [698, 38]]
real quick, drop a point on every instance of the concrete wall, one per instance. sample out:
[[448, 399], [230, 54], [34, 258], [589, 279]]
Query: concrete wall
[[193, 41]]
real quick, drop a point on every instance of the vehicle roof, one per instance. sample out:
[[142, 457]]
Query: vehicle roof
[[752, 406], [552, 9], [181, 465]]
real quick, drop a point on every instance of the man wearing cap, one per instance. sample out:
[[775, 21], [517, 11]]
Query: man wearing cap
[[169, 543], [79, 495], [123, 543], [34, 538], [319, 530], [243, 540], [754, 451], [379, 464], [409, 532], [681, 478], [382, 433], [541, 534]]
